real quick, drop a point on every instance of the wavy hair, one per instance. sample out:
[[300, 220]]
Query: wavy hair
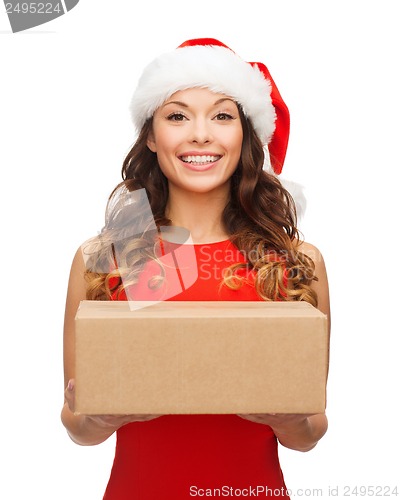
[[260, 217]]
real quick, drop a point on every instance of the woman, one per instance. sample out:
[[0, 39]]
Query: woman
[[204, 117]]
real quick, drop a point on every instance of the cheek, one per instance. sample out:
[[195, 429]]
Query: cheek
[[236, 142], [166, 140]]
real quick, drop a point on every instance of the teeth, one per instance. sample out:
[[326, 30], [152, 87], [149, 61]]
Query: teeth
[[199, 159]]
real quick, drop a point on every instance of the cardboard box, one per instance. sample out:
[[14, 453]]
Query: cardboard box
[[200, 357]]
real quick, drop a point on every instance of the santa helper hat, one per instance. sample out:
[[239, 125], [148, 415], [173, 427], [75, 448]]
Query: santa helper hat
[[208, 63]]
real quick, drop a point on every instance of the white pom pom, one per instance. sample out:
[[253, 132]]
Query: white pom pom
[[295, 189], [297, 192]]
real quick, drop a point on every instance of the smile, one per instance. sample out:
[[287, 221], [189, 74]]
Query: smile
[[200, 160]]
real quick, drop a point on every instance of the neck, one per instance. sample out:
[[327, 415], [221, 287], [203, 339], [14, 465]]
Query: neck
[[199, 213]]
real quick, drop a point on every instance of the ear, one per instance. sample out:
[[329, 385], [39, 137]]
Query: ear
[[151, 143]]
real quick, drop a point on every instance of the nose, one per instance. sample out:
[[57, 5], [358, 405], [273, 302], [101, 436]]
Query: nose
[[200, 131]]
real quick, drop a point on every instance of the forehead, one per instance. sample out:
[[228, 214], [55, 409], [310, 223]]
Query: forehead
[[199, 97]]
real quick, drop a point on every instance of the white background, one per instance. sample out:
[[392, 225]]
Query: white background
[[64, 130]]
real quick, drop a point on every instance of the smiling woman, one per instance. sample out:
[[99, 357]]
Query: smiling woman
[[206, 122], [197, 136]]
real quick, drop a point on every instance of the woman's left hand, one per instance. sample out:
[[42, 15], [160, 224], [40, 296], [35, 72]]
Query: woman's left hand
[[296, 431], [277, 420]]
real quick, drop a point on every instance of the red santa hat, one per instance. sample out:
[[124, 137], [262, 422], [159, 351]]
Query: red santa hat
[[208, 63]]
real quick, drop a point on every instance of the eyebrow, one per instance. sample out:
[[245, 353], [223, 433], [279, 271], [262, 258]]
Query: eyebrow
[[178, 103], [184, 105]]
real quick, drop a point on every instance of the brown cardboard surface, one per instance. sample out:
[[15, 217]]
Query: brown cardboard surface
[[200, 357]]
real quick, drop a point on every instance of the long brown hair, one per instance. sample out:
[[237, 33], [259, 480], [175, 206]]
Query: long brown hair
[[260, 217]]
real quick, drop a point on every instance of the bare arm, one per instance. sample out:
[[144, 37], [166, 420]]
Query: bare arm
[[80, 429], [302, 432], [83, 429]]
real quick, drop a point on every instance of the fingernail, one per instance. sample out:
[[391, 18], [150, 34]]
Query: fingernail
[[70, 385]]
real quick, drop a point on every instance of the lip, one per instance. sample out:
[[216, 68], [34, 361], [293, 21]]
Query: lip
[[199, 168], [199, 153]]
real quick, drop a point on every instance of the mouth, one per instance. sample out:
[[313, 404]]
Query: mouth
[[200, 160]]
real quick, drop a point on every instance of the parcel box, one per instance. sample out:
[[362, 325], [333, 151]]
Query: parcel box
[[200, 357]]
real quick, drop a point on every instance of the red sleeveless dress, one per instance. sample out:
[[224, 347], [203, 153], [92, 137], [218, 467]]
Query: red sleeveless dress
[[178, 457]]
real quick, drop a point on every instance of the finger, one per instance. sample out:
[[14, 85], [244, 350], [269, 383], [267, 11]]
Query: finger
[[70, 394], [249, 417]]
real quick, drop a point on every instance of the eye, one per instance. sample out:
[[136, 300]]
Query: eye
[[223, 117], [176, 117]]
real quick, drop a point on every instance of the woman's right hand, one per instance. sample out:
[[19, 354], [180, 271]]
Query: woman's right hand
[[94, 429], [83, 429]]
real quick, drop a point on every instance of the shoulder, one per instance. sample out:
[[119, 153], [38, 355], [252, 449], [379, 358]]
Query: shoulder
[[321, 284], [78, 263], [77, 284], [315, 255], [311, 251]]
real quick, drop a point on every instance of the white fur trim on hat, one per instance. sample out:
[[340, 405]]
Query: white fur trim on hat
[[213, 67]]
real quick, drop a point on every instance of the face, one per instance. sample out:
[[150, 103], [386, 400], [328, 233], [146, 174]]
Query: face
[[197, 136]]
